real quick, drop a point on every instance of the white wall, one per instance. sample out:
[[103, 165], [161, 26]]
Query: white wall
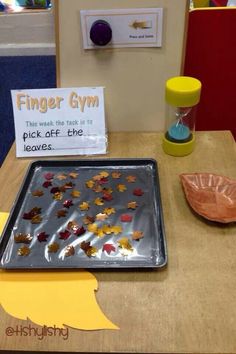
[[30, 33]]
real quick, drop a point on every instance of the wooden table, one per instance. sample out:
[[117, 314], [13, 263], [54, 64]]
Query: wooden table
[[190, 306]]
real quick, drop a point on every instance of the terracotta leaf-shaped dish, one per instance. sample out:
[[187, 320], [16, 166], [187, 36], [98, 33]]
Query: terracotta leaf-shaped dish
[[211, 196]]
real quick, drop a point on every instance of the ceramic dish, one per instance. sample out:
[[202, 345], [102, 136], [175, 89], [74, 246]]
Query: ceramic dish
[[211, 196]]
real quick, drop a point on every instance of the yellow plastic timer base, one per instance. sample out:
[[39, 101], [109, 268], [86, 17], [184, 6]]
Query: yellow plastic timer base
[[178, 149]]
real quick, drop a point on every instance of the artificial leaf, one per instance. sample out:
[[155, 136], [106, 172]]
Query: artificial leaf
[[68, 203], [61, 176], [138, 192], [92, 228], [98, 201], [84, 206], [103, 180], [72, 225], [53, 247], [73, 175], [36, 219], [104, 174], [54, 190], [125, 243], [75, 193], [97, 177], [23, 251], [107, 190], [108, 247], [61, 213], [107, 196], [107, 229], [131, 179], [33, 212], [47, 184], [64, 235], [48, 176], [116, 229], [137, 235], [132, 205], [23, 238], [116, 175], [69, 251], [88, 220], [68, 185], [80, 230], [42, 236], [58, 196], [89, 184], [109, 211], [38, 193], [121, 187], [99, 232], [126, 218], [101, 216], [88, 249], [97, 188]]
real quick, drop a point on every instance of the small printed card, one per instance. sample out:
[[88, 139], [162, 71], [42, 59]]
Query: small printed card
[[64, 121]]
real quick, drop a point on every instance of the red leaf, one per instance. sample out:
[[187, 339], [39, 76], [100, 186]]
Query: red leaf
[[68, 203], [126, 218], [64, 235], [33, 212], [48, 176], [54, 190], [107, 196], [42, 236], [79, 231], [138, 192], [108, 247], [47, 184]]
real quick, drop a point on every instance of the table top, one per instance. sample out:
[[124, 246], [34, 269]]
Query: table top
[[190, 305]]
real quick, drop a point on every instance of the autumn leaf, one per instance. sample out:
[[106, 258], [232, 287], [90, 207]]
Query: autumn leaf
[[58, 196], [116, 175], [64, 235], [125, 243], [47, 184], [75, 193], [23, 238], [108, 247], [53, 247], [54, 190], [33, 212], [88, 249], [98, 201], [107, 229], [68, 203], [23, 251], [116, 229], [132, 205], [92, 228], [36, 219], [88, 220], [138, 192], [61, 213], [80, 230], [101, 216], [99, 232], [137, 235], [104, 174], [42, 236], [121, 187], [131, 179], [89, 184], [109, 211], [107, 196], [38, 193], [73, 175], [126, 218], [68, 185], [61, 176], [97, 188], [69, 251], [84, 206], [48, 176]]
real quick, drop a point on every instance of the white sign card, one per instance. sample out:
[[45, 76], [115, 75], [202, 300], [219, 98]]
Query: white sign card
[[64, 121]]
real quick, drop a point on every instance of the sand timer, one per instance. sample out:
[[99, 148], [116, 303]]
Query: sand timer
[[182, 96]]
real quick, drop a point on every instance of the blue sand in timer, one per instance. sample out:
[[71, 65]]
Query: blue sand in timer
[[179, 131]]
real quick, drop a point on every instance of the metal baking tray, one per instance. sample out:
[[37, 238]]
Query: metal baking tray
[[99, 213]]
